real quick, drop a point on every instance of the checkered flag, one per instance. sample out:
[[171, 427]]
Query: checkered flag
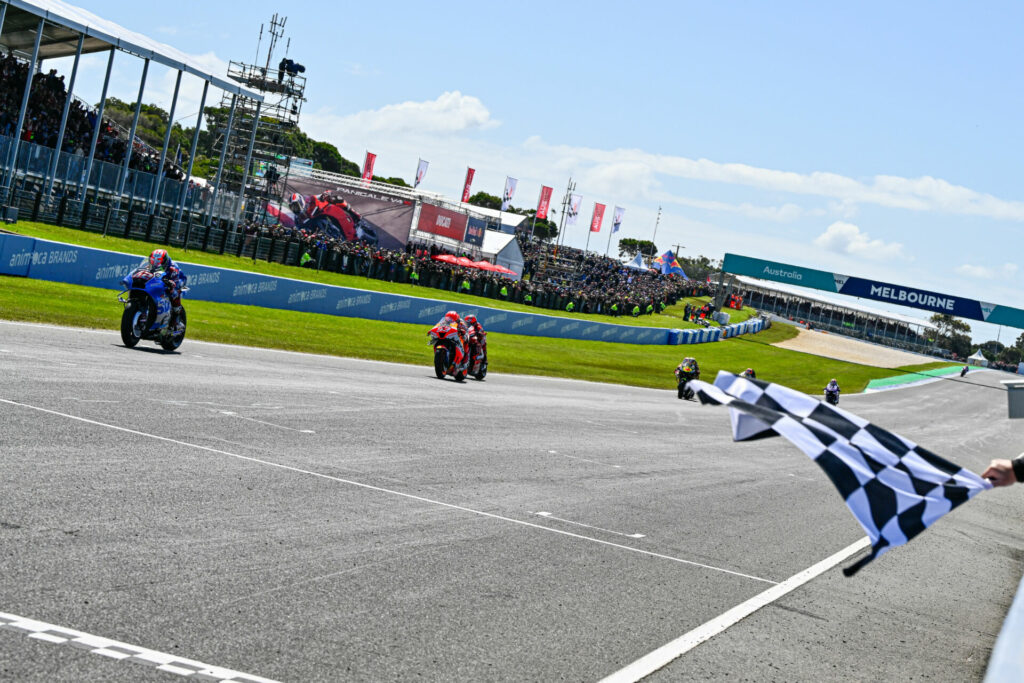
[[894, 488]]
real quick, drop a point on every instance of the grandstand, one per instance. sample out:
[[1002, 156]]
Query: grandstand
[[65, 162], [851, 320]]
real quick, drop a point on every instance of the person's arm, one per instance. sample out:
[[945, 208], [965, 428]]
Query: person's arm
[[1005, 472]]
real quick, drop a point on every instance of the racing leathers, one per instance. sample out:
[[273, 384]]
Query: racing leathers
[[688, 370], [174, 280], [477, 342]]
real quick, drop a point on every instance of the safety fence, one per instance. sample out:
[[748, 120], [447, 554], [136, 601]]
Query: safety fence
[[60, 262]]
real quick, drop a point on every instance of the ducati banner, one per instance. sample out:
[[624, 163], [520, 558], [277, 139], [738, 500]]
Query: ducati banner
[[544, 203], [348, 214], [510, 190], [575, 202], [368, 166], [469, 182], [421, 170], [595, 221], [443, 222], [617, 219]]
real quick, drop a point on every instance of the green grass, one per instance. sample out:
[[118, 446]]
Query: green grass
[[673, 316], [644, 366]]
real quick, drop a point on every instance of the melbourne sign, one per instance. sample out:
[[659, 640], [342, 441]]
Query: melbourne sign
[[911, 297]]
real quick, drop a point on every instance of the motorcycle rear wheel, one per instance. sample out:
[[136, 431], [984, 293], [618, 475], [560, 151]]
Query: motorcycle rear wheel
[[128, 321]]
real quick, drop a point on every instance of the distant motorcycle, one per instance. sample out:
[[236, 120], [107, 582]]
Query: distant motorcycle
[[832, 397], [449, 355], [147, 311], [683, 389]]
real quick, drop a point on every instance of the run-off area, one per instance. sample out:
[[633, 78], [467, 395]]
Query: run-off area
[[307, 518]]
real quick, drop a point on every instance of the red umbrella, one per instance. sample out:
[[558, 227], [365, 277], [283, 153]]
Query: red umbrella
[[503, 269], [447, 258], [486, 265], [465, 262]]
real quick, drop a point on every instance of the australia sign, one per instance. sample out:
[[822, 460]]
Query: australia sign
[[901, 295]]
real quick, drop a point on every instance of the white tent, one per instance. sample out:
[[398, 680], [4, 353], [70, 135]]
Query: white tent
[[505, 250], [637, 263], [978, 359]]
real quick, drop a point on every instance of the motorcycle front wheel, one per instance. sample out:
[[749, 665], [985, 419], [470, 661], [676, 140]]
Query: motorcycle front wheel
[[174, 341], [129, 323], [440, 362]]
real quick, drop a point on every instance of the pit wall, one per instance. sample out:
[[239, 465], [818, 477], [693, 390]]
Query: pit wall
[[59, 262]]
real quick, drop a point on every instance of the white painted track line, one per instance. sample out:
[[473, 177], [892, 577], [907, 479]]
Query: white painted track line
[[665, 654], [393, 492], [98, 645]]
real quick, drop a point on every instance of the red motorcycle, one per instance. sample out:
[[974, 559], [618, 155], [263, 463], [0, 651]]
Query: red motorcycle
[[449, 354], [477, 360]]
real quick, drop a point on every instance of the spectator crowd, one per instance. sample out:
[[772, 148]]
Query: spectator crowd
[[42, 120], [599, 285]]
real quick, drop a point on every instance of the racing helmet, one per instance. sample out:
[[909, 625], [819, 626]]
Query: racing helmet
[[297, 202], [470, 320], [687, 368], [749, 371], [452, 316], [159, 260]]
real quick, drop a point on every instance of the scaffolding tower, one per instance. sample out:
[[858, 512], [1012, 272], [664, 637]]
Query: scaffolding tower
[[283, 88]]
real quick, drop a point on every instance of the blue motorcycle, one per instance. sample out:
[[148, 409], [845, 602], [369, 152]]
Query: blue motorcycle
[[147, 311]]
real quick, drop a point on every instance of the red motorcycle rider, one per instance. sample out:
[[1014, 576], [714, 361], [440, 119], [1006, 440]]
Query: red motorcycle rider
[[477, 341]]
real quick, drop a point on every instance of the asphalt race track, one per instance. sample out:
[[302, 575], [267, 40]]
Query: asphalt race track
[[305, 518]]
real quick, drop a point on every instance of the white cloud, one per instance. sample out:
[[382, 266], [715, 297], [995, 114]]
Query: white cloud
[[846, 238], [1003, 272], [915, 194], [452, 112]]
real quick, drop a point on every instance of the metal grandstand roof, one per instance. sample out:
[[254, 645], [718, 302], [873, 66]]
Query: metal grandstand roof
[[64, 24]]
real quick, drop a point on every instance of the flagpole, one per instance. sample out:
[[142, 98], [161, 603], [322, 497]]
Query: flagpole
[[607, 248], [656, 221], [533, 226]]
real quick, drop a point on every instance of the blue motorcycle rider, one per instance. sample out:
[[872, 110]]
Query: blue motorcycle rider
[[160, 264]]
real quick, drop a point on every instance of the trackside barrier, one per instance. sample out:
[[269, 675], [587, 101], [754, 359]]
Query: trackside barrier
[[59, 262]]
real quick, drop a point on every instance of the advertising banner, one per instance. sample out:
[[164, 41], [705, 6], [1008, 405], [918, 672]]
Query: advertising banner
[[368, 166], [595, 220], [911, 297], [544, 203], [475, 228], [469, 183], [59, 262], [575, 203], [421, 170], [443, 222], [617, 219], [510, 190], [345, 213]]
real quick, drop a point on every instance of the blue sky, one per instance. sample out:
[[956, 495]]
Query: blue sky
[[872, 139]]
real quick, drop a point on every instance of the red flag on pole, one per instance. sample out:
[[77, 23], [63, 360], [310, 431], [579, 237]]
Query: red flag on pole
[[469, 182], [595, 222], [545, 202], [368, 166]]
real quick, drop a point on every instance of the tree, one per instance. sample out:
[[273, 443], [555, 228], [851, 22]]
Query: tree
[[1011, 354], [629, 247], [487, 201], [1020, 342], [947, 325]]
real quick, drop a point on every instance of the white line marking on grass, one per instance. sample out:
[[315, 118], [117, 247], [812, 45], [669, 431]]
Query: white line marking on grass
[[588, 526], [410, 496], [665, 654], [98, 645]]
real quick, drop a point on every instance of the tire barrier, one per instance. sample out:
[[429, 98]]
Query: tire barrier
[[60, 262]]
